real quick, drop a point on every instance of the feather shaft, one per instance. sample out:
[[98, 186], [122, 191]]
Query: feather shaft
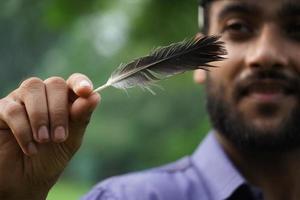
[[102, 87], [167, 61]]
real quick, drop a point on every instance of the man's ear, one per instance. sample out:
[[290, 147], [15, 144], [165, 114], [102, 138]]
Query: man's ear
[[199, 35], [199, 75]]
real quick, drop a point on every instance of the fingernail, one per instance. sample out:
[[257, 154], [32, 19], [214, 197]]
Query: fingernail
[[59, 134], [43, 134], [84, 83], [32, 150]]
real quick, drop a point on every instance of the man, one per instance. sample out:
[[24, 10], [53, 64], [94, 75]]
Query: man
[[252, 98]]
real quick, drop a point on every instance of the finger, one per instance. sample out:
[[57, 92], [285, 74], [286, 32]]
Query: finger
[[80, 84], [80, 113], [14, 115], [3, 125], [33, 95], [82, 108], [57, 96], [3, 104]]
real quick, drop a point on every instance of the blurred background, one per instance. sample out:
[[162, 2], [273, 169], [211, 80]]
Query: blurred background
[[128, 132]]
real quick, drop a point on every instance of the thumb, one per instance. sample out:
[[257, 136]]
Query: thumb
[[3, 125], [80, 113]]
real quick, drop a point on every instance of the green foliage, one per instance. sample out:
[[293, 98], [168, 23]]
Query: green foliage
[[68, 190], [128, 131]]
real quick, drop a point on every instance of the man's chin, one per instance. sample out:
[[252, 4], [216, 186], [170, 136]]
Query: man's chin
[[266, 125], [256, 131], [265, 118]]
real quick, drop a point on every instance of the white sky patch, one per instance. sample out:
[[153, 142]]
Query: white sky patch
[[110, 32]]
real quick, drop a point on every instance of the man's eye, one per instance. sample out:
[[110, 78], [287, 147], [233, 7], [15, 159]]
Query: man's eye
[[293, 31], [237, 29]]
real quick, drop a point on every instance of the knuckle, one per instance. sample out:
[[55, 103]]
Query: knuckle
[[3, 101], [55, 81], [3, 105], [12, 109], [32, 83]]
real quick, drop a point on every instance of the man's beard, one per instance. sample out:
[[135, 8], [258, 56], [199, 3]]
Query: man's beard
[[229, 122]]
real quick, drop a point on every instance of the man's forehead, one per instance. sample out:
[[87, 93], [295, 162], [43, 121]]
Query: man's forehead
[[277, 7], [261, 2]]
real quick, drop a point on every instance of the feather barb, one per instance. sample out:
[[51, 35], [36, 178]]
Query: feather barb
[[167, 61]]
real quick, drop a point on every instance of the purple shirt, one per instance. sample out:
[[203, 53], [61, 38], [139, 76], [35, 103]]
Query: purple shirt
[[206, 175]]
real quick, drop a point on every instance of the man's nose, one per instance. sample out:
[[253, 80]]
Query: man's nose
[[268, 50]]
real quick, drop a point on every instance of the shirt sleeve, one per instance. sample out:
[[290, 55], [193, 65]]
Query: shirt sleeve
[[102, 191], [173, 182], [129, 187]]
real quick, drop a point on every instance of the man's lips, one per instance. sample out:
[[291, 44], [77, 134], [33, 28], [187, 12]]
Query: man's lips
[[266, 89], [268, 86]]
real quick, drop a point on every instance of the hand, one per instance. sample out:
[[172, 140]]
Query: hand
[[41, 127]]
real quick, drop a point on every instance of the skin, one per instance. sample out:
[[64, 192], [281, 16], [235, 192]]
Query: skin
[[41, 127], [254, 41]]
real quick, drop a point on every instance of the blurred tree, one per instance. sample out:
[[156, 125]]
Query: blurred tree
[[23, 40]]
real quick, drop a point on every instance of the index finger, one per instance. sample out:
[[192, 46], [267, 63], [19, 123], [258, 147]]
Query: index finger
[[80, 84]]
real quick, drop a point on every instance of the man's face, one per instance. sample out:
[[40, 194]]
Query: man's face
[[253, 97]]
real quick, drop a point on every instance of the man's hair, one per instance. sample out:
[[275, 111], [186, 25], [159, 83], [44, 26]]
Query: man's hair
[[205, 4]]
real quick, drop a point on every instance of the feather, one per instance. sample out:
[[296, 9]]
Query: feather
[[167, 61]]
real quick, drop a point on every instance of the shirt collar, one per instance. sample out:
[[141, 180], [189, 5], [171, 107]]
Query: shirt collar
[[220, 176]]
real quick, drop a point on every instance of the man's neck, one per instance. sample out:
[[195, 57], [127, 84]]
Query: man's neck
[[277, 174]]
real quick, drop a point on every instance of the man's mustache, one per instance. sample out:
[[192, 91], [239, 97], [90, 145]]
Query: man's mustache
[[289, 81]]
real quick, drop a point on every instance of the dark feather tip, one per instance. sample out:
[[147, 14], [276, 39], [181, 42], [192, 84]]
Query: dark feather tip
[[213, 47]]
